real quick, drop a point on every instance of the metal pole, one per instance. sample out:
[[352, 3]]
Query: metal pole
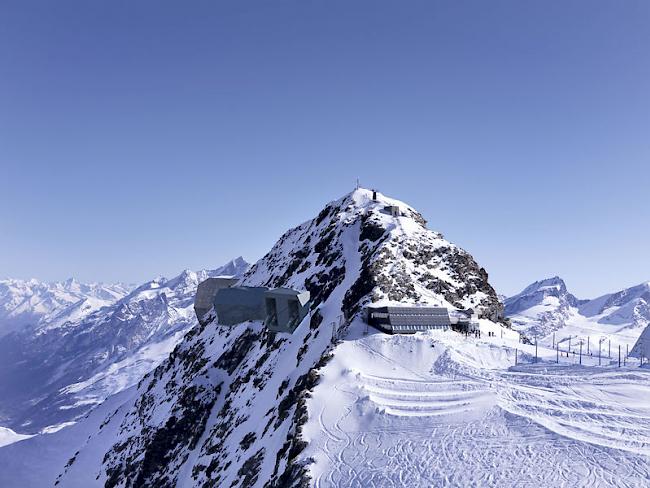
[[553, 339], [599, 349], [588, 341], [557, 351], [627, 349], [619, 355], [609, 349], [515, 356], [580, 352], [535, 349]]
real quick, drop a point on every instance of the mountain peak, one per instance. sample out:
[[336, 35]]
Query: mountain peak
[[235, 267], [555, 281], [398, 258], [548, 300]]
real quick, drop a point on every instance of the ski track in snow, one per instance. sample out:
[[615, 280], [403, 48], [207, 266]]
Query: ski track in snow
[[390, 423]]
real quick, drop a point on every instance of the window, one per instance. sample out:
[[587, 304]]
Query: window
[[272, 313]]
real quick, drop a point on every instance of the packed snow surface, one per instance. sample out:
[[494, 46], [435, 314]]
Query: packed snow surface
[[440, 409]]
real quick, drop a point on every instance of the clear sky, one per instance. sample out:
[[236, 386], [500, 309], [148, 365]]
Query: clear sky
[[140, 138]]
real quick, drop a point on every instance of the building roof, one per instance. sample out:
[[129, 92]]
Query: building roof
[[284, 291], [412, 316], [301, 296], [410, 310], [208, 288]]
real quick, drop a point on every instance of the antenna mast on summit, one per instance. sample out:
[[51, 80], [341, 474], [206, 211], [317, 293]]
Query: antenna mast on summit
[[357, 184]]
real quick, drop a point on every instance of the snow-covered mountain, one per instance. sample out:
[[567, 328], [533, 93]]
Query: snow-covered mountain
[[541, 307], [337, 405], [629, 307], [546, 307], [52, 374], [228, 406], [34, 304]]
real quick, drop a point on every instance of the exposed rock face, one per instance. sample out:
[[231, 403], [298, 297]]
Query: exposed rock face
[[403, 261], [227, 407]]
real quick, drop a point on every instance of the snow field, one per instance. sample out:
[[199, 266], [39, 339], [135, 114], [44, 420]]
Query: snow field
[[439, 409]]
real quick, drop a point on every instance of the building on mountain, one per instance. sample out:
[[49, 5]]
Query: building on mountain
[[281, 309], [407, 319], [240, 304], [285, 309], [641, 349], [205, 293], [393, 210], [463, 320]]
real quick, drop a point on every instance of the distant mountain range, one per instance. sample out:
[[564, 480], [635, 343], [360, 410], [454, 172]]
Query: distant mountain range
[[36, 304], [546, 307], [67, 346]]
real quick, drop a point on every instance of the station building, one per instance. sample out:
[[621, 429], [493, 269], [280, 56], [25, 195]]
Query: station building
[[407, 319], [281, 309]]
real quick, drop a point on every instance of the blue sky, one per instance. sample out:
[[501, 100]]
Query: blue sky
[[143, 138]]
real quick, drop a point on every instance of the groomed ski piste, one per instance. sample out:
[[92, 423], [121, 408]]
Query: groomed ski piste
[[441, 409]]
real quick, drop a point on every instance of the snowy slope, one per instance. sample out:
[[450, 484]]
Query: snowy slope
[[52, 375], [228, 407], [546, 308], [629, 307], [439, 409], [37, 304], [8, 436]]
